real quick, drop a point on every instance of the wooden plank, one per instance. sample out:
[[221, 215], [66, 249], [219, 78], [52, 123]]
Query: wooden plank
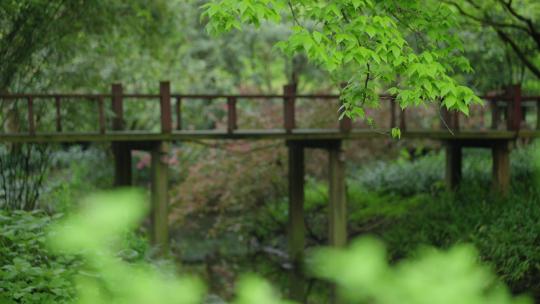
[[289, 91], [31, 121], [101, 114], [231, 114], [58, 104], [453, 165], [160, 199], [296, 228], [117, 106], [165, 106], [501, 167]]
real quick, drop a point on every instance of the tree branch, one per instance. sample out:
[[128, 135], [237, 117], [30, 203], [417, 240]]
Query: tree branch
[[531, 27], [529, 64]]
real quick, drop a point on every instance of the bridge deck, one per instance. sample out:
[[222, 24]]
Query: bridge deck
[[296, 134]]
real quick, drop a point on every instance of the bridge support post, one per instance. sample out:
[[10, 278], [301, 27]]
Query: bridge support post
[[337, 208], [337, 219], [501, 167], [160, 181], [122, 164], [453, 165], [296, 229]]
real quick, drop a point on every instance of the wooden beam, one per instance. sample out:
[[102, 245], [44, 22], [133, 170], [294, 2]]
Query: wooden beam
[[160, 183], [453, 165], [501, 167], [296, 228]]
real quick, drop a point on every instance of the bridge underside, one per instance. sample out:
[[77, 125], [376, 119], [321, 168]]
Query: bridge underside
[[297, 134]]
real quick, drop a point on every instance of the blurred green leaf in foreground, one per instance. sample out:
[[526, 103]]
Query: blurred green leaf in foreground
[[361, 272]]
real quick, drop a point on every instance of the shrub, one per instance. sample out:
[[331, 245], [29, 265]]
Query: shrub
[[426, 174], [505, 231], [31, 273]]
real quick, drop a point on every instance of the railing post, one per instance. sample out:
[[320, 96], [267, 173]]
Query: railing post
[[345, 123], [117, 107], [495, 114], [514, 109], [231, 114], [538, 114], [392, 113], [450, 119], [58, 114], [402, 124], [101, 113], [31, 122], [178, 113], [165, 106], [455, 120], [289, 91]]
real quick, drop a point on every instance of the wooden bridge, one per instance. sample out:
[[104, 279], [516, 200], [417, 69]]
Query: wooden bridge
[[508, 114]]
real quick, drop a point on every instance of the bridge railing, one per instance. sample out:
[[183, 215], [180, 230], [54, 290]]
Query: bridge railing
[[510, 105]]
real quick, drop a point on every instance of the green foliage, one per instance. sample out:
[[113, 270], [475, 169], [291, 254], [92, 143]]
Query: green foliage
[[406, 48], [31, 273], [363, 275]]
